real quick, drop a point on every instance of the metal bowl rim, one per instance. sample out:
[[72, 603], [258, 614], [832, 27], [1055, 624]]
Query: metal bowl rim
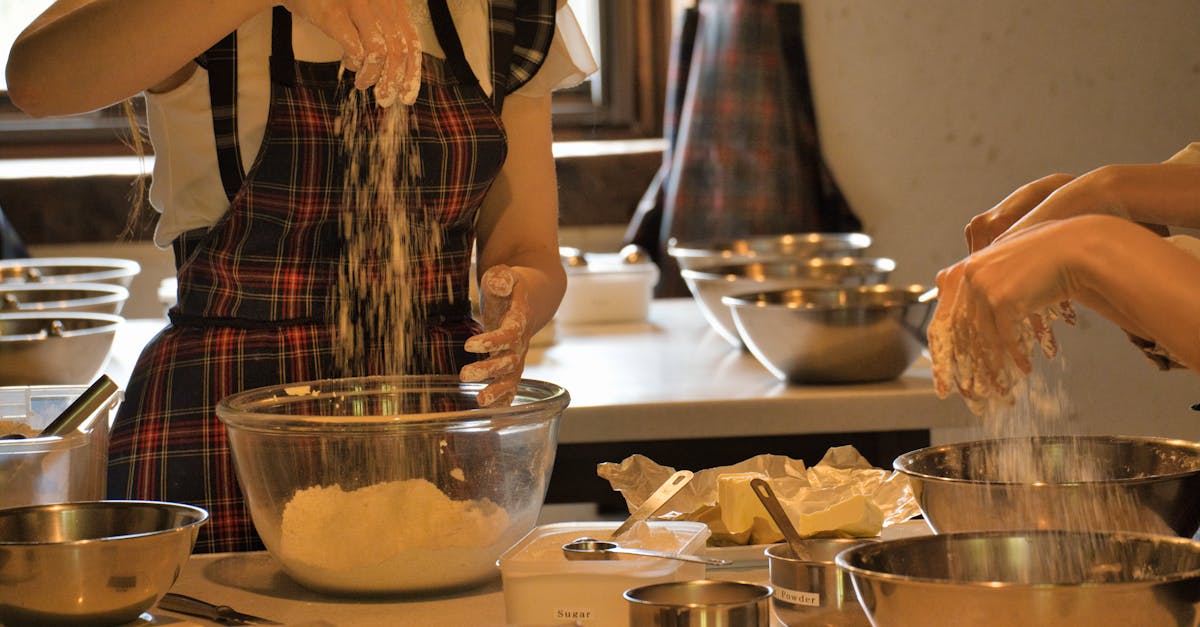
[[111, 322], [843, 560], [104, 293], [761, 299], [726, 272], [763, 591], [897, 464], [716, 247], [200, 516]]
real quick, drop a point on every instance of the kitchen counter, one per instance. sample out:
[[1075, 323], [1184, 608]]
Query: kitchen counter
[[672, 377], [253, 583]]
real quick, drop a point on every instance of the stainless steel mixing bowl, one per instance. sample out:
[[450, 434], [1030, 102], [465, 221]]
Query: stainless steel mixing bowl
[[1058, 482], [709, 285], [69, 270], [1021, 579], [392, 485], [691, 255], [38, 297], [833, 334], [54, 348], [91, 563]]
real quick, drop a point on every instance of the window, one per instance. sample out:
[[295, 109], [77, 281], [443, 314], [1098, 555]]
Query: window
[[620, 101]]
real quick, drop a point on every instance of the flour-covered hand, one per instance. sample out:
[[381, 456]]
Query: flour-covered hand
[[378, 39], [505, 338]]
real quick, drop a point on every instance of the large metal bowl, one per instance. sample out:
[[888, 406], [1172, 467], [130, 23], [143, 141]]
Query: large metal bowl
[[709, 285], [691, 255], [833, 334], [1115, 483], [38, 297], [54, 348], [1020, 579], [69, 270], [392, 485], [91, 563]]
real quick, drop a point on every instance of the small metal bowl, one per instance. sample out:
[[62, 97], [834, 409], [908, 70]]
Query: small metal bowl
[[811, 589], [1017, 579], [1101, 483], [692, 255], [54, 348], [38, 297], [699, 602], [833, 334], [69, 270], [91, 563], [709, 285]]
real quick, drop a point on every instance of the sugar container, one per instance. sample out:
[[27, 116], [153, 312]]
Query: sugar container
[[56, 469], [541, 587]]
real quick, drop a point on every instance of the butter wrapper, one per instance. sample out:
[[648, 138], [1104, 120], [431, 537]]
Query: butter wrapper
[[840, 496]]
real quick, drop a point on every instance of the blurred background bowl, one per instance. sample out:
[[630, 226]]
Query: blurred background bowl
[[691, 255], [69, 270], [54, 348], [1111, 483], [390, 485], [833, 334], [1018, 579], [710, 284], [91, 563], [106, 298]]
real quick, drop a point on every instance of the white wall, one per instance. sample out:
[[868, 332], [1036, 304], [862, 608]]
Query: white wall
[[931, 111]]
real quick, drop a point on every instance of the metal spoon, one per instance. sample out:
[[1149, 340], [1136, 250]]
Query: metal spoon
[[762, 489], [593, 549], [673, 484]]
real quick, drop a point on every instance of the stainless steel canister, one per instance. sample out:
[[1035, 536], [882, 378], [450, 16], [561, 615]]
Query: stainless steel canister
[[700, 603], [810, 589]]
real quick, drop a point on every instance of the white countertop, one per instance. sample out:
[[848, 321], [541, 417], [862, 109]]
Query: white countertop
[[253, 583], [673, 377]]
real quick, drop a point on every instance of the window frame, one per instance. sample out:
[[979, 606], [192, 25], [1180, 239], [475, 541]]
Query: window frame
[[623, 100]]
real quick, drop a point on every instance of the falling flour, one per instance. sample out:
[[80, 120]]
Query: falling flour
[[388, 536]]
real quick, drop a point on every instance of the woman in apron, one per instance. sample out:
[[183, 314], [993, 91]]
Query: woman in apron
[[257, 299]]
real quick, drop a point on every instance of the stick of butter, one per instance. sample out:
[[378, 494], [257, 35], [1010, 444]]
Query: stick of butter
[[741, 511], [857, 516]]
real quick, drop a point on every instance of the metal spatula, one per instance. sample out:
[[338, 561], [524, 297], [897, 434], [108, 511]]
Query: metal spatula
[[222, 614]]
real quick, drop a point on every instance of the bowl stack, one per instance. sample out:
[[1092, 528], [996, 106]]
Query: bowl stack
[[1062, 530], [811, 307], [59, 316]]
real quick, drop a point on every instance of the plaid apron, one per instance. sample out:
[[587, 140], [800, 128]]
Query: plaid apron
[[257, 291]]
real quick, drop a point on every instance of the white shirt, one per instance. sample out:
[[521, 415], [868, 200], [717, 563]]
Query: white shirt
[[186, 185]]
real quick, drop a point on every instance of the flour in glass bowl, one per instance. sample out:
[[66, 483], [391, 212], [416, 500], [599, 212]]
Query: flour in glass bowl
[[393, 536]]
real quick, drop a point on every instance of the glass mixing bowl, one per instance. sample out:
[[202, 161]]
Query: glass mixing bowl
[[392, 485]]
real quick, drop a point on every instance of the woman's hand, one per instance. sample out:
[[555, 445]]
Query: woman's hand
[[378, 38], [984, 228], [505, 338], [996, 304]]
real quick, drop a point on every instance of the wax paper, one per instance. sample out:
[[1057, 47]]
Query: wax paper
[[842, 495]]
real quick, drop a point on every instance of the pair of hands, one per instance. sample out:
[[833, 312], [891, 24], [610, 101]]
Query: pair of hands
[[505, 339], [998, 303], [379, 41]]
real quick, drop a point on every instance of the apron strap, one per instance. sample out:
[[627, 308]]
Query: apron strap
[[447, 34], [221, 62]]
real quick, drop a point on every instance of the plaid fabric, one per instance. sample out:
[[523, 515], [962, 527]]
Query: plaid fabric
[[256, 292]]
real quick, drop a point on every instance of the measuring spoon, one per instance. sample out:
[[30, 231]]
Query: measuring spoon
[[762, 489], [673, 484], [593, 549]]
